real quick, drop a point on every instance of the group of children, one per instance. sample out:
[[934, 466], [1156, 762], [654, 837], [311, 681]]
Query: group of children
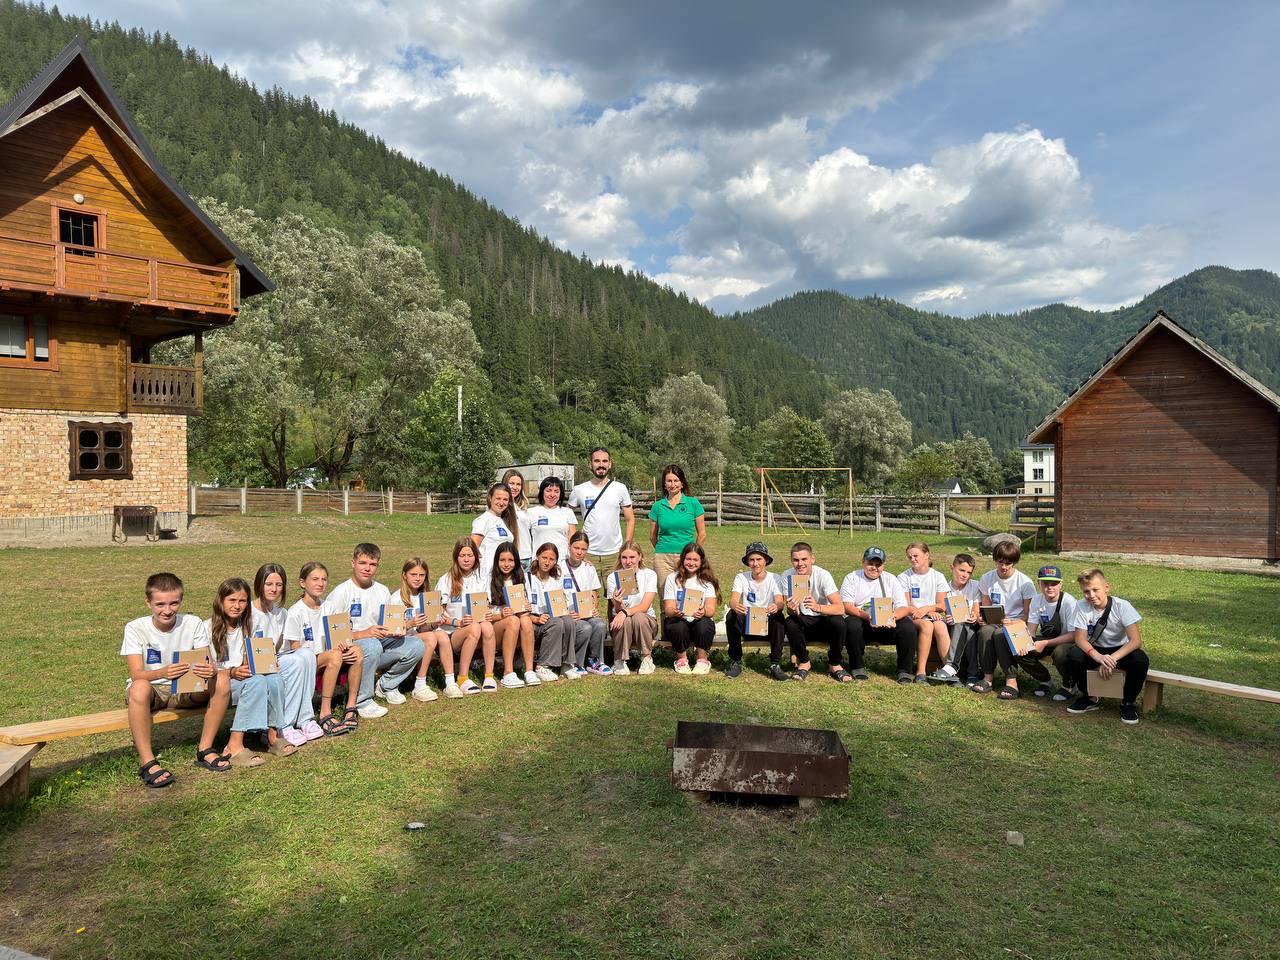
[[271, 663]]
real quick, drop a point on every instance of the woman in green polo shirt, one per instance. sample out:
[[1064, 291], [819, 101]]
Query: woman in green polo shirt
[[674, 521]]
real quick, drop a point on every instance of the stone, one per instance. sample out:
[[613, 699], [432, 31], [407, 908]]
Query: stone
[[1014, 839], [989, 544]]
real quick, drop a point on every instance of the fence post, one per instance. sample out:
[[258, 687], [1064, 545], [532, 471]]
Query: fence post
[[428, 504], [297, 497], [191, 499], [878, 526], [822, 510], [720, 500], [244, 500], [346, 501], [942, 516], [391, 500]]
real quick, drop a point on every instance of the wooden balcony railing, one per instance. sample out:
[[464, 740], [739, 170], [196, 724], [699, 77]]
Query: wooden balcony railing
[[68, 269], [158, 389]]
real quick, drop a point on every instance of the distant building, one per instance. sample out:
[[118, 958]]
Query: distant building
[[944, 487], [1037, 468], [1169, 448]]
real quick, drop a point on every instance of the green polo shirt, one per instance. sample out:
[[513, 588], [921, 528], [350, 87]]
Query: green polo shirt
[[675, 524]]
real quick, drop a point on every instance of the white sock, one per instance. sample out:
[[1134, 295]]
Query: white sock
[[449, 679], [419, 683]]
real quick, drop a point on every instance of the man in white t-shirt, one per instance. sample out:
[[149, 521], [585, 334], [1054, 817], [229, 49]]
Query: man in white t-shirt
[[600, 500], [858, 593], [149, 648], [362, 597], [1107, 639], [1008, 587]]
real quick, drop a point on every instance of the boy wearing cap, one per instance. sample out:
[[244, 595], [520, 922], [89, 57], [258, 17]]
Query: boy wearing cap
[[1050, 616], [1008, 587], [816, 616], [755, 587], [1107, 639], [856, 593]]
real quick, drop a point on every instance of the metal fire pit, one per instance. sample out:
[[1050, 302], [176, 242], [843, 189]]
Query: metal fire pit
[[750, 759]]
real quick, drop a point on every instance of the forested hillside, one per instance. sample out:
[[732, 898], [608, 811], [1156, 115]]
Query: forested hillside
[[999, 375]]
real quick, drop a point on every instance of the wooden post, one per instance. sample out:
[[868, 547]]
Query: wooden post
[[942, 516], [761, 469], [879, 527], [298, 499], [719, 499], [428, 504], [191, 499], [199, 365], [391, 500], [822, 508], [346, 501], [244, 499]]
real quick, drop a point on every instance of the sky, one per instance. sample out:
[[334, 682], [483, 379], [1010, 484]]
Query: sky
[[957, 155]]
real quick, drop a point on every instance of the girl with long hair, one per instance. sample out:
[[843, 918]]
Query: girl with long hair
[[695, 625]]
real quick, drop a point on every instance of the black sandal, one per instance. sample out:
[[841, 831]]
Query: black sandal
[[800, 674], [203, 761], [1009, 693], [351, 718], [332, 726], [154, 775], [839, 675]]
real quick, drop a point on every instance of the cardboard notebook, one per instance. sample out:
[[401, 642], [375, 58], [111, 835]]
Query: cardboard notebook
[[337, 631], [189, 682], [627, 582], [993, 615], [584, 604], [1113, 686], [881, 611], [691, 603], [260, 654], [1018, 637], [429, 603], [393, 617], [798, 586], [477, 605], [958, 608], [757, 622], [557, 604], [516, 597]]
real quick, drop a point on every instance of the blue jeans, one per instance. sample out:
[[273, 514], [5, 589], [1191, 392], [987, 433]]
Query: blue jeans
[[298, 681], [259, 702], [397, 656]]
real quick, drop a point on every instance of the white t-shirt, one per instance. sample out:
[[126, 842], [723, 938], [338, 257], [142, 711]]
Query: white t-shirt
[[603, 526], [523, 520], [1123, 615], [674, 591], [753, 594], [821, 585], [1013, 594], [859, 591], [495, 531], [584, 576], [646, 582], [538, 593], [922, 589], [550, 525], [271, 625], [306, 626], [455, 604], [157, 647], [363, 603], [1041, 612], [235, 647]]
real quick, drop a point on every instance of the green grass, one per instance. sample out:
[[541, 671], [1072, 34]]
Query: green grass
[[552, 829]]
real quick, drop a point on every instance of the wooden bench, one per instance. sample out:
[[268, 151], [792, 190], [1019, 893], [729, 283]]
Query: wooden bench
[[1157, 680], [19, 744], [1035, 514], [121, 514]]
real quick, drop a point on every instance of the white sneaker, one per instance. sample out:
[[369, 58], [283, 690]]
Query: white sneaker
[[372, 710], [571, 673], [453, 692], [531, 679], [393, 697], [701, 667], [512, 680], [682, 666], [425, 694], [620, 668], [646, 666], [546, 674]]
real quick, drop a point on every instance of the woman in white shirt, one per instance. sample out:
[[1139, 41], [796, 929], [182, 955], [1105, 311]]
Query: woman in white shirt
[[550, 521], [633, 620], [498, 524], [684, 624], [513, 480]]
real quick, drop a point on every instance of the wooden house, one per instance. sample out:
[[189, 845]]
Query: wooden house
[[1170, 448], [102, 256]]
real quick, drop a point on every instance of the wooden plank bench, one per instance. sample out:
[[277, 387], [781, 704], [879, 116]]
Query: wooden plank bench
[[1157, 680], [19, 744]]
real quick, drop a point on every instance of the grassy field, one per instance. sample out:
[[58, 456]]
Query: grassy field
[[552, 829]]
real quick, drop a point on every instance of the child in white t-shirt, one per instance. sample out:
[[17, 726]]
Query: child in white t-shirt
[[467, 632], [961, 655], [513, 480], [1008, 587], [756, 587], [297, 667], [553, 634], [512, 628], [1107, 639], [1049, 620], [149, 646], [304, 629], [633, 622], [588, 635], [922, 584], [691, 627], [498, 524], [413, 582]]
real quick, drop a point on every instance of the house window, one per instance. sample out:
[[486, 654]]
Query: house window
[[1037, 473], [26, 340], [1037, 456], [101, 451], [78, 228]]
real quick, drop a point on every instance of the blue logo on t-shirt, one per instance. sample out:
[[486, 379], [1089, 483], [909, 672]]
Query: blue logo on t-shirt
[[995, 596], [457, 599], [751, 596], [915, 592], [1044, 618], [568, 583], [680, 596], [153, 655], [543, 521], [590, 501], [502, 531], [357, 608], [307, 634]]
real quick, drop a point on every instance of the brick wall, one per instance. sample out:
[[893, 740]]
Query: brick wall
[[35, 447]]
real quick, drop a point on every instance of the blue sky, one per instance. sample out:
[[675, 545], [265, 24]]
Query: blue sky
[[961, 155]]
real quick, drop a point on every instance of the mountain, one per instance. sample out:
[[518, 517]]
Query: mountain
[[998, 375]]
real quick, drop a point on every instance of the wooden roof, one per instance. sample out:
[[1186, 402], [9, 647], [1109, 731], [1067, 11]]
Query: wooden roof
[[74, 76], [1161, 321]]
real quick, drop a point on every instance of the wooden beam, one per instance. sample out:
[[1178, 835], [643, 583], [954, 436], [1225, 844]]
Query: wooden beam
[[105, 722]]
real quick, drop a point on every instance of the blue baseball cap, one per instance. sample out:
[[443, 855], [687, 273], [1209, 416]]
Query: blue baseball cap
[[873, 553], [1051, 573]]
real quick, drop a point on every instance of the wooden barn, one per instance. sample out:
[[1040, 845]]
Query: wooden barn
[[1170, 448], [102, 256]]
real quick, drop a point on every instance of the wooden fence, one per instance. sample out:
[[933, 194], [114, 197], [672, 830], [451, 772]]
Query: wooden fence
[[933, 514]]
